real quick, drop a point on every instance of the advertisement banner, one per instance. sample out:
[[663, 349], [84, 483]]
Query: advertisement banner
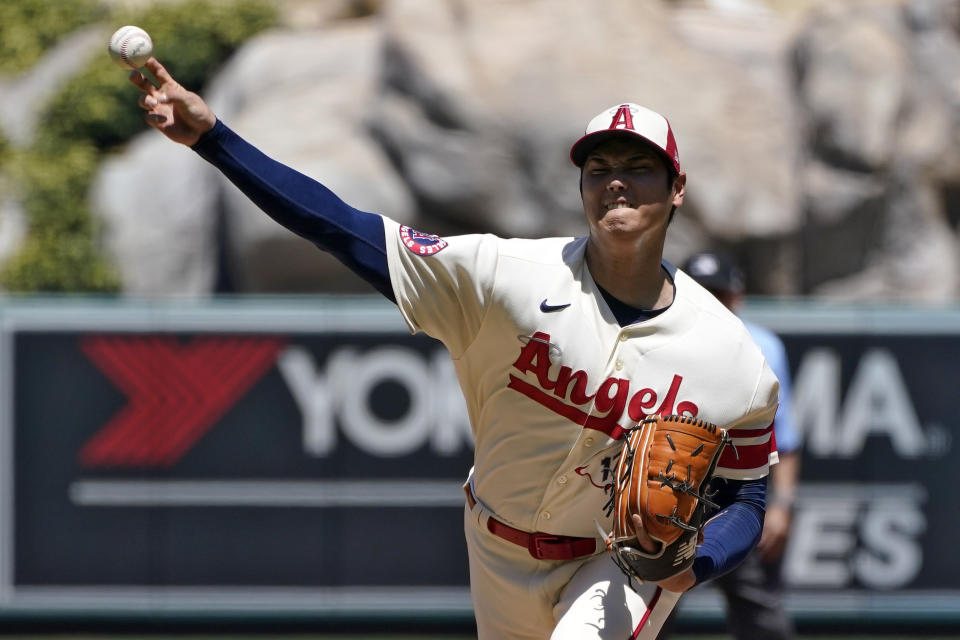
[[873, 402], [211, 462], [306, 458]]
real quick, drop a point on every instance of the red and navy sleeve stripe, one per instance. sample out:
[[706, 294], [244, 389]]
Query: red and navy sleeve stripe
[[749, 454]]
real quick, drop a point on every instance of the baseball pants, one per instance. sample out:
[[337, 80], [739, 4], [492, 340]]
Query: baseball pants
[[519, 597]]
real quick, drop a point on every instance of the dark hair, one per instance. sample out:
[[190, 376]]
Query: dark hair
[[671, 178]]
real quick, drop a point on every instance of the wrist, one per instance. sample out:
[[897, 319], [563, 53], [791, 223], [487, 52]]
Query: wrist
[[785, 500], [214, 133], [680, 582]]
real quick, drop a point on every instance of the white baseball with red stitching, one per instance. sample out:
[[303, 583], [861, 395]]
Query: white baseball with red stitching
[[130, 47]]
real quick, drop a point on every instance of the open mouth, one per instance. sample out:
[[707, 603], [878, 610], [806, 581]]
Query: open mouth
[[619, 204]]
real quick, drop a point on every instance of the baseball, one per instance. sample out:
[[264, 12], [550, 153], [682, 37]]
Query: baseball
[[130, 47]]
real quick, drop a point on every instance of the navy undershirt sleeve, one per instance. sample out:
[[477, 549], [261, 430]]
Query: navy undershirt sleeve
[[735, 530], [302, 205]]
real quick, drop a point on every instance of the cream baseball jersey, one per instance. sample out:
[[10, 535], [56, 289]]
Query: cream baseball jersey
[[551, 379]]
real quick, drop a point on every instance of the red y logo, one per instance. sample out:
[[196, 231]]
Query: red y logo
[[177, 393]]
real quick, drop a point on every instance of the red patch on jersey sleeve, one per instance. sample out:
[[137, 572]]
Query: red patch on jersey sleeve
[[421, 244]]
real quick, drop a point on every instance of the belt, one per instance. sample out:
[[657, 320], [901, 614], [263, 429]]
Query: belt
[[542, 546]]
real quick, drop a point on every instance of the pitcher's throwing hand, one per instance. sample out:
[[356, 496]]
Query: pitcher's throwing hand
[[179, 114]]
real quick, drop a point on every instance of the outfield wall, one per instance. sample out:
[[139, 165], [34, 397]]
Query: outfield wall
[[302, 459]]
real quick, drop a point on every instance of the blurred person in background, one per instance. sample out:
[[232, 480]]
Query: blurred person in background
[[754, 590]]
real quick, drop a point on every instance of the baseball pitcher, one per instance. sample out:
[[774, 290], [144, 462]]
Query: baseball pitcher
[[622, 416]]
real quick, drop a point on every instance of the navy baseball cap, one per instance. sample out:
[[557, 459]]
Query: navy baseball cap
[[715, 271], [631, 120]]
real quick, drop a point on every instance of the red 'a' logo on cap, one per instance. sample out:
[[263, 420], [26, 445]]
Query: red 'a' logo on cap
[[622, 118]]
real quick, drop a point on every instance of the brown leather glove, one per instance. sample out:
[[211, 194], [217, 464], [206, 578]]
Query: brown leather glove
[[664, 468]]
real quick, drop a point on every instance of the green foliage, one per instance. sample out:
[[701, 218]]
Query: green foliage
[[98, 106], [28, 28], [60, 254], [54, 181], [61, 263], [94, 112], [195, 38], [192, 39], [4, 150]]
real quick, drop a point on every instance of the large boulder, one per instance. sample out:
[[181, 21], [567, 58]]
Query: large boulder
[[879, 96], [174, 225], [821, 147], [157, 202], [481, 87], [302, 98]]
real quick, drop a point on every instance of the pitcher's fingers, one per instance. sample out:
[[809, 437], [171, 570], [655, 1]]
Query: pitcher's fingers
[[143, 83], [159, 71], [155, 119], [147, 102]]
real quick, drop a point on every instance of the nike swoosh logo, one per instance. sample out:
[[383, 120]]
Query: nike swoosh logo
[[550, 308]]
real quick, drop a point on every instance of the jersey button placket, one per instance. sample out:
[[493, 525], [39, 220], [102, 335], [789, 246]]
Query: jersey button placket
[[618, 351]]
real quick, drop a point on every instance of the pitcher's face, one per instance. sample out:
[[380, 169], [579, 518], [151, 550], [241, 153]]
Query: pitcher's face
[[626, 188]]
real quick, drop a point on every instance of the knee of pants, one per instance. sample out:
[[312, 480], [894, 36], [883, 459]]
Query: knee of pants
[[599, 603]]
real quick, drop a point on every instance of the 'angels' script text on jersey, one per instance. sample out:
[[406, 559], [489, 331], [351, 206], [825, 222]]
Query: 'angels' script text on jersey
[[612, 397]]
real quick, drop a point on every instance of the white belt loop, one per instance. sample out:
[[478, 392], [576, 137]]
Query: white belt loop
[[479, 510]]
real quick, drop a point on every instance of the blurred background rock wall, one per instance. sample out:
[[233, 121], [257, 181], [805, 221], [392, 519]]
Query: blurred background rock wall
[[819, 138]]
